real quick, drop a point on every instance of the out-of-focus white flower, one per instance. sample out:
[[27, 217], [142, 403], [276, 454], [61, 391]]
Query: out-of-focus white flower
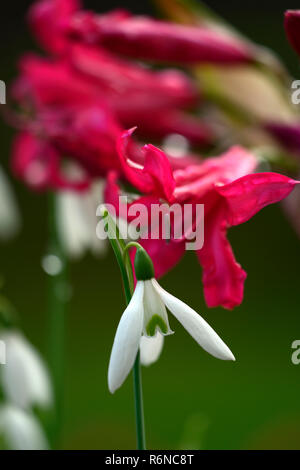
[[77, 221], [24, 377], [20, 429], [9, 213], [146, 315]]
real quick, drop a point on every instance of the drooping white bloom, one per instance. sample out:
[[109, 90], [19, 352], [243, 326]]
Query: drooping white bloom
[[146, 316], [24, 377], [20, 429], [9, 213], [77, 221]]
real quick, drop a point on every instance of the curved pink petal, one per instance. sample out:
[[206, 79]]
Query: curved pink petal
[[145, 38], [196, 181], [223, 277], [155, 177], [248, 195]]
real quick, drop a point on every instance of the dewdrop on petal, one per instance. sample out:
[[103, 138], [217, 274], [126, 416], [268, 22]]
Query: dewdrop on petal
[[146, 316]]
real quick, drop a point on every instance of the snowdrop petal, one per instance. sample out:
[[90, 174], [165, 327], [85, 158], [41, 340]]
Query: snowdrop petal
[[196, 326], [24, 377], [127, 340], [151, 348], [21, 430]]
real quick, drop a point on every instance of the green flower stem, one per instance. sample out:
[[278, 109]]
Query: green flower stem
[[139, 406], [58, 299], [121, 252]]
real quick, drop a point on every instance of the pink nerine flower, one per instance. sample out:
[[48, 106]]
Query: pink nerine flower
[[146, 38], [292, 28], [76, 109], [64, 120], [231, 194], [135, 93]]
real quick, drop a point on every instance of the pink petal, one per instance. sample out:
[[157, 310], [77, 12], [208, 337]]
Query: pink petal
[[292, 28], [248, 195], [144, 38], [131, 84], [196, 181], [48, 19], [51, 82], [223, 277], [155, 177]]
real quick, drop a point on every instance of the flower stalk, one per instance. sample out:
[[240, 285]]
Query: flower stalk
[[121, 252], [57, 305]]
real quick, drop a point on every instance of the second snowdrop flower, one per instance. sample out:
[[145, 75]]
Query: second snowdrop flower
[[24, 377], [146, 316]]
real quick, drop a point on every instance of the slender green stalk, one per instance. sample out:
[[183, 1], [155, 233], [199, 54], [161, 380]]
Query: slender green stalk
[[57, 304], [139, 406], [121, 252]]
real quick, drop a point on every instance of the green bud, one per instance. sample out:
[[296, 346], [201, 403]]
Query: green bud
[[143, 265]]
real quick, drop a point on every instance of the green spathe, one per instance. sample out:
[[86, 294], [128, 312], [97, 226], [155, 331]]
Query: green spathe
[[143, 265]]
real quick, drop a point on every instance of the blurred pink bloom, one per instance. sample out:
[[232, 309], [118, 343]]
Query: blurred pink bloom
[[38, 164], [231, 194], [145, 38], [64, 120], [135, 93], [48, 20], [287, 134], [292, 28], [77, 106]]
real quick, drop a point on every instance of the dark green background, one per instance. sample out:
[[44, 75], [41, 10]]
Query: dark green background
[[191, 399]]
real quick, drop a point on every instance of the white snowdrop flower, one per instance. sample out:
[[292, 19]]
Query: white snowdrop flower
[[146, 315], [9, 213], [77, 221], [24, 377], [20, 429]]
